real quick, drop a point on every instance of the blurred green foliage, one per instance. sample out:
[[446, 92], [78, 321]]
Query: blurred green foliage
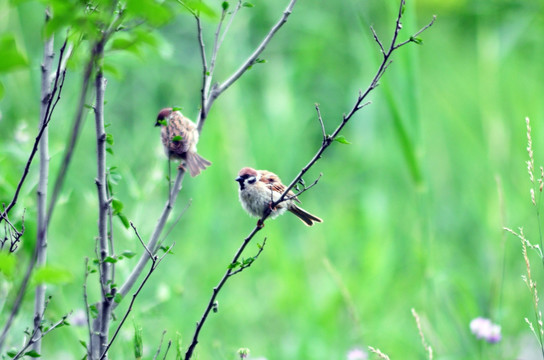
[[413, 208]]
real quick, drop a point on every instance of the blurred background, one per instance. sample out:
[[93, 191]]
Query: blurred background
[[413, 208]]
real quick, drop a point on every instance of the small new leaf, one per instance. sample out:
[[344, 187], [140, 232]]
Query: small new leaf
[[109, 139], [416, 40], [163, 122], [93, 311], [225, 5], [117, 206], [247, 4], [32, 353], [234, 265], [177, 138], [342, 140], [110, 259], [177, 108], [118, 297], [128, 254], [124, 220]]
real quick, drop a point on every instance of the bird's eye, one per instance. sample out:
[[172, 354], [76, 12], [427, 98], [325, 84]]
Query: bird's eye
[[251, 180]]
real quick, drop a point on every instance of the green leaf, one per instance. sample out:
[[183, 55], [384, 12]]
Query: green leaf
[[93, 311], [128, 254], [198, 6], [177, 108], [124, 220], [117, 206], [1, 90], [12, 58], [179, 348], [110, 259], [163, 122], [416, 40], [225, 5], [50, 274], [7, 263], [247, 4], [234, 265], [110, 150], [12, 353], [177, 138], [155, 12], [109, 139], [113, 71], [83, 343], [118, 297], [138, 342], [248, 261], [260, 61], [167, 249], [121, 44], [342, 140]]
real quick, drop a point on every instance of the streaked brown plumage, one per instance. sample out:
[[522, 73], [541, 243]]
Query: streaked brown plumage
[[179, 138], [259, 188]]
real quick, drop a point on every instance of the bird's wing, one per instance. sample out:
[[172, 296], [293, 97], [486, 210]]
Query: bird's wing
[[181, 133]]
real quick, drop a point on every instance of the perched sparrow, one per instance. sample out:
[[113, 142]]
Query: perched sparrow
[[260, 188], [179, 137]]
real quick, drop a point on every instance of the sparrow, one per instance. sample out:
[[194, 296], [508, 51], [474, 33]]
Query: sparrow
[[260, 188], [179, 138]]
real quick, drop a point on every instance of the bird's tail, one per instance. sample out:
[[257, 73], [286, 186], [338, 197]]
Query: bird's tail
[[303, 215], [196, 163]]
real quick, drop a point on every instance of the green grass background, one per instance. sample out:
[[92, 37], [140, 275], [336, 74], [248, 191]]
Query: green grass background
[[413, 209]]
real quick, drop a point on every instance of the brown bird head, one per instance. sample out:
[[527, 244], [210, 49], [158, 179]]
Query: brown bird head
[[247, 175], [163, 115]]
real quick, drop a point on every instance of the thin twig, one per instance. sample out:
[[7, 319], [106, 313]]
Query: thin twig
[[86, 301], [216, 91], [160, 345], [320, 119], [216, 290], [167, 349]]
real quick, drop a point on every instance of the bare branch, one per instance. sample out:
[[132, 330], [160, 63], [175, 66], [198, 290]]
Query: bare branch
[[216, 290], [359, 104], [216, 91], [152, 244], [160, 345], [86, 301], [141, 241], [320, 119], [378, 40]]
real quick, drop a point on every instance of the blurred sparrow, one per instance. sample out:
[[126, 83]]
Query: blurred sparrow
[[179, 138], [260, 188]]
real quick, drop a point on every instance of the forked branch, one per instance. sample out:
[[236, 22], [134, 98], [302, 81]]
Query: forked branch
[[326, 142]]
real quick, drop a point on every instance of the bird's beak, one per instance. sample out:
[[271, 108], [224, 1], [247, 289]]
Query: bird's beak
[[239, 179], [157, 124]]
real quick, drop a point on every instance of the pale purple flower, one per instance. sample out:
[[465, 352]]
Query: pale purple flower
[[357, 354], [484, 329]]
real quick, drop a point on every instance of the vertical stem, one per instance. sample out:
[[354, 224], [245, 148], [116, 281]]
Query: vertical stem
[[104, 309], [41, 240]]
